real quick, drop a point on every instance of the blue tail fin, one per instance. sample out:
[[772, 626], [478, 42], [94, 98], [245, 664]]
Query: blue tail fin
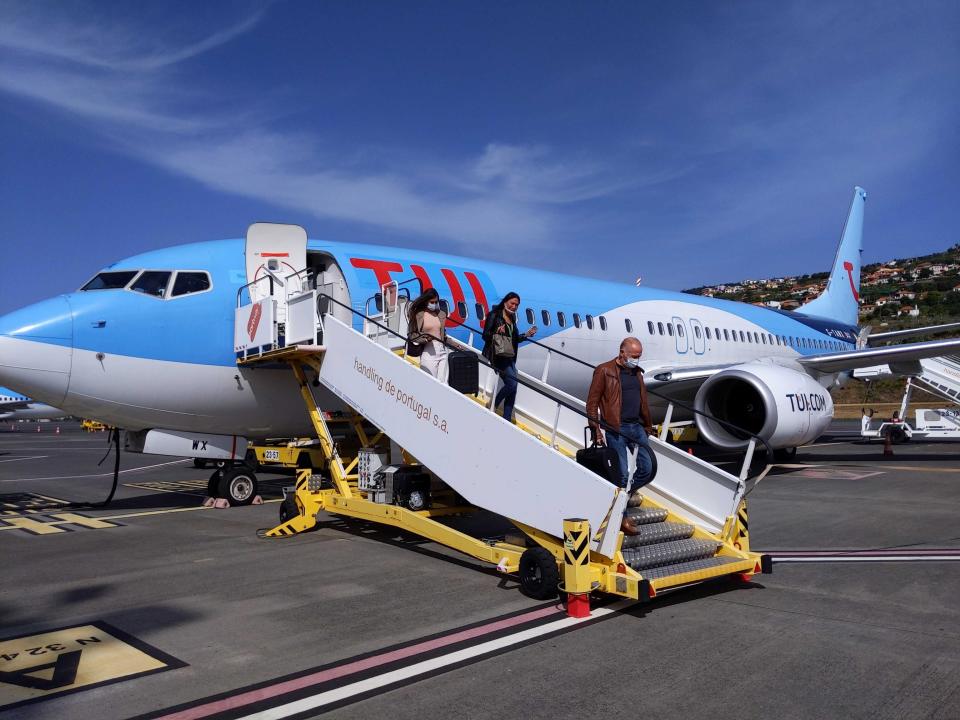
[[840, 300]]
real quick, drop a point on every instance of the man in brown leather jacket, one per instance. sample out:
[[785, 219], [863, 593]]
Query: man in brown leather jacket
[[618, 398]]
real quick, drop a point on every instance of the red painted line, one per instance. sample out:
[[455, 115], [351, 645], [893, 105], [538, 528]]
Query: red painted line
[[274, 254], [265, 693], [861, 553]]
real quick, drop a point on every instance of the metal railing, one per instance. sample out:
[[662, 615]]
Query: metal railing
[[665, 425]]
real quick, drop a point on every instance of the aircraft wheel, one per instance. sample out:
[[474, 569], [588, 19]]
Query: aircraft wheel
[[288, 509], [539, 574], [199, 463], [238, 485], [213, 485], [784, 454]]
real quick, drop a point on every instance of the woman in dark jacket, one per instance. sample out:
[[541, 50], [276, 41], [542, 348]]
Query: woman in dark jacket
[[500, 341]]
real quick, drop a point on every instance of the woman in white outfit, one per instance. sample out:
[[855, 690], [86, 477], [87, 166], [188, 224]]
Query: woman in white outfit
[[426, 333]]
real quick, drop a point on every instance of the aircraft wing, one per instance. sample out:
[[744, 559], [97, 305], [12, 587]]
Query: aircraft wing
[[873, 337], [906, 354]]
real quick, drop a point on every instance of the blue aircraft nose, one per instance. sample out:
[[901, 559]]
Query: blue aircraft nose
[[36, 348]]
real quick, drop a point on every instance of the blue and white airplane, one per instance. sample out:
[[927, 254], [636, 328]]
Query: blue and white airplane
[[147, 343], [14, 406]]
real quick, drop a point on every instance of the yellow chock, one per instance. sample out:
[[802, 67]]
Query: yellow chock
[[576, 566]]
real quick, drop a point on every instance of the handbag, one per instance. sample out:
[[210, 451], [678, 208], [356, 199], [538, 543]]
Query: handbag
[[503, 346], [413, 349]]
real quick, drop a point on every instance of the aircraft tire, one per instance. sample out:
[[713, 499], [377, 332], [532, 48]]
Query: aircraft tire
[[213, 485], [539, 574], [238, 485], [784, 454]]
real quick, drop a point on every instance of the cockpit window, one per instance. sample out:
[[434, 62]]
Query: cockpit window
[[190, 282], [110, 280], [152, 282]]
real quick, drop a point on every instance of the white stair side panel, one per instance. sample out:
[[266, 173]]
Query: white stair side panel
[[686, 484], [491, 462]]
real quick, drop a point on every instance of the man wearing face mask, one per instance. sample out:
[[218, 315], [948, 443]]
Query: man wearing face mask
[[618, 399]]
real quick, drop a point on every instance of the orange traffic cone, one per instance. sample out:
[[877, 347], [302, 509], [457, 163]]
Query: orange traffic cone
[[58, 430], [38, 427]]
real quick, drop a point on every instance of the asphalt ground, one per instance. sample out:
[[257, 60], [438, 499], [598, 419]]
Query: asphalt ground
[[205, 618]]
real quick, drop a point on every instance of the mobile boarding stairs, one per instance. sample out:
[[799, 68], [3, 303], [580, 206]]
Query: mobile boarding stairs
[[692, 517]]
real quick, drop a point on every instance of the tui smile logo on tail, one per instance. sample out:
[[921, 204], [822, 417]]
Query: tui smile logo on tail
[[853, 288]]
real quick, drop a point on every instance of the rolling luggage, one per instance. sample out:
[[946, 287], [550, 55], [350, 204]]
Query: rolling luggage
[[602, 460], [463, 372]]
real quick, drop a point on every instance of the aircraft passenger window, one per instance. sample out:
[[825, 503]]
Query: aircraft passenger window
[[763, 338], [152, 282], [462, 310], [110, 280], [530, 316], [742, 338], [589, 319], [546, 317], [680, 329], [707, 331], [696, 331], [603, 322], [628, 325], [650, 326], [670, 329], [576, 319], [726, 336], [444, 305], [187, 283], [756, 338], [479, 308], [770, 338], [561, 319], [749, 338], [660, 327]]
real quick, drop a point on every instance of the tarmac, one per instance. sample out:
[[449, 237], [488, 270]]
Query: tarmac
[[155, 607]]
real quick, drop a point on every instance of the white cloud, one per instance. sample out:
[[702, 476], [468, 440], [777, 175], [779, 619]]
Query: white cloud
[[125, 83]]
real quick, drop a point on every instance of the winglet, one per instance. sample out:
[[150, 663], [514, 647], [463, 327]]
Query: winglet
[[840, 300]]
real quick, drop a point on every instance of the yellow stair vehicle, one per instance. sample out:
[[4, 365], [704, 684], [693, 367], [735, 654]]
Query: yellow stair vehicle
[[692, 518]]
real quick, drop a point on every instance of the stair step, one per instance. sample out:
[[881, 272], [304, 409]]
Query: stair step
[[643, 516], [689, 566], [658, 532], [669, 553]]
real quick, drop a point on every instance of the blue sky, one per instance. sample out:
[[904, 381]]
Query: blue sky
[[689, 143]]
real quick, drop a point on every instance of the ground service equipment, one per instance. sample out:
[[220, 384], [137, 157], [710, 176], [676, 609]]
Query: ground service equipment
[[459, 457]]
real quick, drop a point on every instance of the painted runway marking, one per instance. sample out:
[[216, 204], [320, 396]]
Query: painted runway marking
[[18, 504], [98, 475], [40, 525], [348, 681], [881, 555], [20, 458], [56, 662]]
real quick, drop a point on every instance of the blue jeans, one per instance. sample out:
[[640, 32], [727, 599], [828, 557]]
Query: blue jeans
[[632, 436], [507, 367]]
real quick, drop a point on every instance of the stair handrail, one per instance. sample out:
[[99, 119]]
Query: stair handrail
[[754, 438]]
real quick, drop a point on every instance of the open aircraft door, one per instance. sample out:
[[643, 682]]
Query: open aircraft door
[[274, 253]]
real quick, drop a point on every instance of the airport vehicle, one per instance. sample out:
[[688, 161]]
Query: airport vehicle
[[93, 425], [14, 406], [146, 343], [940, 377]]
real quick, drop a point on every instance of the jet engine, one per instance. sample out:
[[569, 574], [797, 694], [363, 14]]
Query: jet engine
[[785, 407]]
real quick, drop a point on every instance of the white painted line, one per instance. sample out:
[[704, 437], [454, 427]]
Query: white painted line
[[388, 678], [98, 475], [24, 457], [867, 558]]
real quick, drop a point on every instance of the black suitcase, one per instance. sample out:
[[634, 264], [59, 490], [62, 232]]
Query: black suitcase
[[603, 460], [463, 371]]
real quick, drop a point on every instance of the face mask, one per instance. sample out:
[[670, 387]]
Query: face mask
[[632, 362], [512, 313], [433, 307]]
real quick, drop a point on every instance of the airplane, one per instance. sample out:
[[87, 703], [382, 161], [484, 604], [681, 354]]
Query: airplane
[[147, 342], [14, 406]]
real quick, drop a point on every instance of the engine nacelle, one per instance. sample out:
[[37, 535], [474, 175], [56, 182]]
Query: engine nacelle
[[785, 407]]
